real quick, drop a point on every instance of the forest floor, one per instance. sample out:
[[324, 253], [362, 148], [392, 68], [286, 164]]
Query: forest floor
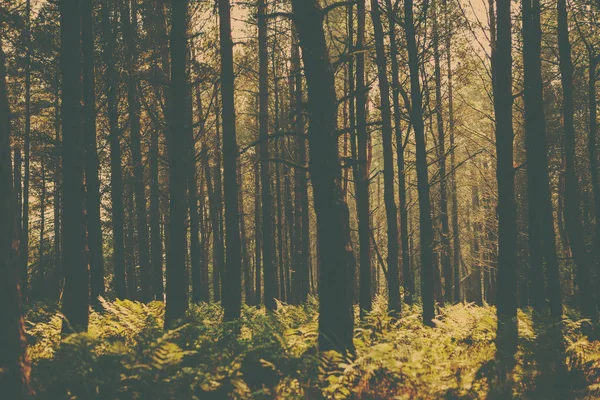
[[128, 355]]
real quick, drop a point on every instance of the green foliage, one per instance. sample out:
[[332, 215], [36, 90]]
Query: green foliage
[[127, 354]]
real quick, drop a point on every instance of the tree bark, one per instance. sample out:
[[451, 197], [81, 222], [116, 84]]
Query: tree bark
[[574, 224], [24, 252], [76, 292], [336, 318], [92, 200], [507, 211], [130, 26], [177, 288], [426, 227], [232, 282], [394, 301], [15, 366]]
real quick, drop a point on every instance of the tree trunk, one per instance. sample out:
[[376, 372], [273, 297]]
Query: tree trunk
[[542, 240], [116, 175], [257, 236], [130, 245], [42, 217], [426, 227], [593, 149], [130, 26], [15, 366], [270, 272], [205, 237], [336, 318], [57, 273], [445, 233], [394, 301], [232, 282], [573, 220], [248, 285], [361, 169], [76, 292], [507, 211], [177, 288], [92, 200], [24, 250], [192, 186]]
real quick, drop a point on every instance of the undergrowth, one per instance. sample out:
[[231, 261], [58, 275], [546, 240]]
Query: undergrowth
[[128, 355]]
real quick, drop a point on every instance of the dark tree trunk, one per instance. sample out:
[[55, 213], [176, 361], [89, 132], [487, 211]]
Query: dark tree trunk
[[248, 285], [116, 175], [218, 247], [232, 283], [270, 272], [130, 256], [426, 227], [177, 288], [336, 318], [394, 301], [42, 217], [257, 236], [407, 275], [24, 250], [14, 362], [57, 273], [130, 26], [205, 237], [593, 149], [92, 200], [505, 173], [163, 69], [574, 224], [445, 233], [361, 169], [218, 184], [192, 186], [76, 292], [542, 240]]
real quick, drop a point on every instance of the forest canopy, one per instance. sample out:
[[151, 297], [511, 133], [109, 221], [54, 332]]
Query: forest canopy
[[299, 199]]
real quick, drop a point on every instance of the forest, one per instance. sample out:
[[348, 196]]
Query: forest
[[299, 199]]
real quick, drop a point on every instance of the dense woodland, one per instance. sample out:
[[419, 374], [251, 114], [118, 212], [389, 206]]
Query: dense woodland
[[299, 199]]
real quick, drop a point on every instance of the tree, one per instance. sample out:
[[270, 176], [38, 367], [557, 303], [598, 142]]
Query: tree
[[507, 212], [426, 232], [542, 240], [177, 288], [337, 264], [15, 366], [268, 250], [394, 301], [116, 181], [573, 220], [76, 292], [232, 282], [92, 200]]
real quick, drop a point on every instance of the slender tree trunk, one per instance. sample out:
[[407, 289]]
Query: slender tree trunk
[[163, 69], [394, 301], [593, 149], [336, 318], [573, 220], [218, 247], [116, 175], [192, 186], [218, 185], [15, 366], [248, 285], [426, 228], [130, 245], [57, 273], [257, 235], [205, 237], [92, 200], [130, 26], [445, 233], [361, 169], [232, 282], [507, 211], [407, 275], [76, 292], [42, 216], [177, 288], [24, 251], [270, 272]]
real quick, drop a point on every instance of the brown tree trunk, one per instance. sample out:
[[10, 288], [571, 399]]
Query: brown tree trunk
[[426, 227], [14, 363], [76, 293], [232, 281], [336, 318], [24, 250]]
